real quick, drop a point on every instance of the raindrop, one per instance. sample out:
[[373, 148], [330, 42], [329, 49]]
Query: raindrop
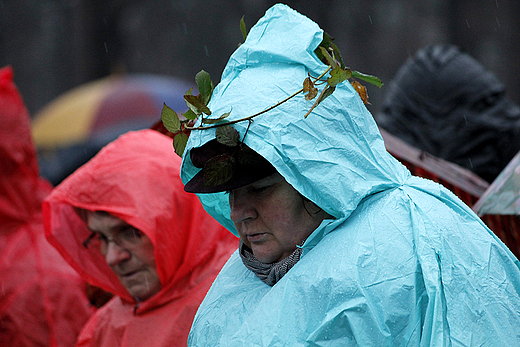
[[496, 1], [106, 47], [467, 23], [498, 23], [370, 19], [466, 119], [206, 50], [185, 28], [470, 162]]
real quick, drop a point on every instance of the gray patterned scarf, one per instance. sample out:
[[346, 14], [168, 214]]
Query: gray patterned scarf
[[272, 272]]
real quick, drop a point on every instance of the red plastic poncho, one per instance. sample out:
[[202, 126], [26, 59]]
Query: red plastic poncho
[[43, 301], [136, 178]]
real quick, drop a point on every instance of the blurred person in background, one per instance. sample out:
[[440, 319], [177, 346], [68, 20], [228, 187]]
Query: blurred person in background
[[43, 301], [444, 102], [125, 223]]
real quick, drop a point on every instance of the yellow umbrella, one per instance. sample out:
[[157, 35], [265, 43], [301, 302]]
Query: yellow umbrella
[[73, 127], [129, 102], [69, 118]]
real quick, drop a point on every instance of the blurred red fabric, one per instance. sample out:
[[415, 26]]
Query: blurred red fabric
[[43, 301]]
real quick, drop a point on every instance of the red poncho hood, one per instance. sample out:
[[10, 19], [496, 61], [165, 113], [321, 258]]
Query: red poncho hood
[[22, 190], [136, 178], [43, 301]]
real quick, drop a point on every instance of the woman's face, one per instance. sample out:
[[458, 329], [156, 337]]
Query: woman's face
[[134, 264], [271, 218]]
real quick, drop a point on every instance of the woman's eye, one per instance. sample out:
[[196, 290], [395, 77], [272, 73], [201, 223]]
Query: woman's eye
[[130, 234], [261, 189], [102, 238]]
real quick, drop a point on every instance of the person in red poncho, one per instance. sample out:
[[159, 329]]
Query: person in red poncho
[[125, 223], [43, 301]]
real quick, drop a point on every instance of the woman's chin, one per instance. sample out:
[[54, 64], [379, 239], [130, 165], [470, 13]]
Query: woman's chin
[[267, 257]]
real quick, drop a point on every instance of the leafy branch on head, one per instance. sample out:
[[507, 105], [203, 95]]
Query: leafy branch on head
[[327, 52]]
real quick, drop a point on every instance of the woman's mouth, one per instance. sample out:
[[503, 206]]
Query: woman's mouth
[[258, 237], [130, 274]]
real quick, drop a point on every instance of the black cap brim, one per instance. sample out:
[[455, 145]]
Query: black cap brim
[[242, 174]]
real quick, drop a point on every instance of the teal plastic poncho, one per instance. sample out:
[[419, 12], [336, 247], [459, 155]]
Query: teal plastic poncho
[[404, 262]]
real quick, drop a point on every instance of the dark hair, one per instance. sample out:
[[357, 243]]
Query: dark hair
[[304, 200]]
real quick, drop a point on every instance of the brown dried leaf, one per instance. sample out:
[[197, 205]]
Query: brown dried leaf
[[310, 89], [362, 91]]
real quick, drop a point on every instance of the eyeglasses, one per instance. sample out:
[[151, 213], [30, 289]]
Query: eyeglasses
[[127, 238]]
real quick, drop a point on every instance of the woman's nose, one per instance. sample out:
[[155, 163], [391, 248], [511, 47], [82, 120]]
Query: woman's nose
[[242, 208], [115, 254]]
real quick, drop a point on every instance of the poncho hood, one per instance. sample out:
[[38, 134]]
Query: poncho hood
[[395, 267], [340, 133], [43, 301], [21, 188], [476, 125], [135, 178]]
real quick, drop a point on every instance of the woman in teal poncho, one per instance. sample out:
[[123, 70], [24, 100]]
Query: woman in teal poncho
[[340, 245]]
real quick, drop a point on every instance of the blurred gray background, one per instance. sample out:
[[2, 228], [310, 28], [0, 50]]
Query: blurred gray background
[[55, 45]]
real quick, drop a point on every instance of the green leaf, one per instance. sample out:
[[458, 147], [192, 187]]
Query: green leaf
[[247, 157], [328, 92], [328, 57], [243, 28], [190, 115], [205, 86], [368, 78], [218, 170], [170, 119], [190, 106], [338, 75], [328, 44], [325, 43], [213, 121], [337, 54], [227, 135], [196, 105], [179, 143]]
